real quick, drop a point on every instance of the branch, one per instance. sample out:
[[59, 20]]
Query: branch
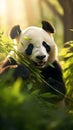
[[62, 2]]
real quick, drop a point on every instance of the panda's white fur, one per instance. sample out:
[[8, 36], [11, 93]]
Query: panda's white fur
[[35, 36], [36, 43]]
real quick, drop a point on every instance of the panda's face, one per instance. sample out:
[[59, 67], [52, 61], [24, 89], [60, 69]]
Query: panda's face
[[36, 44], [38, 53]]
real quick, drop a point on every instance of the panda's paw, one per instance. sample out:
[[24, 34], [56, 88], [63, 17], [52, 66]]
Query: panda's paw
[[22, 72]]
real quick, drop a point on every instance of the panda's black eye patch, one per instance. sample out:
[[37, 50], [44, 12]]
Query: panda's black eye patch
[[29, 49], [46, 46]]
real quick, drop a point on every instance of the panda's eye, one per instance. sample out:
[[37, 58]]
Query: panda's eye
[[46, 46], [29, 49]]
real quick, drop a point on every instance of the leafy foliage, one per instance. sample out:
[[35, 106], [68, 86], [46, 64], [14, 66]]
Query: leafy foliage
[[67, 54], [22, 107]]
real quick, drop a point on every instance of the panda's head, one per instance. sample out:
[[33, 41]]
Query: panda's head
[[36, 43]]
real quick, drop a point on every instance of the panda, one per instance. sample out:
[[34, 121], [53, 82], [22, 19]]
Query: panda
[[38, 45]]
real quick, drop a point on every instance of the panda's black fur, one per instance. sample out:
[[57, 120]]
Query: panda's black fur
[[52, 74]]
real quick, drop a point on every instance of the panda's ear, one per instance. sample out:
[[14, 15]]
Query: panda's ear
[[15, 32], [48, 27]]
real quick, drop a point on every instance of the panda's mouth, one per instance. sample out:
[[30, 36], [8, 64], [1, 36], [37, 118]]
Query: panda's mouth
[[40, 63]]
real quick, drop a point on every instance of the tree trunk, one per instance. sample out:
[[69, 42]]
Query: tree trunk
[[67, 19]]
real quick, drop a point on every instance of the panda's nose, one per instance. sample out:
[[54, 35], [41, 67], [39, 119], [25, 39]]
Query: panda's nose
[[41, 57]]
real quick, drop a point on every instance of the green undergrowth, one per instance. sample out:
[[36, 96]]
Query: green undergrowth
[[21, 105], [67, 55]]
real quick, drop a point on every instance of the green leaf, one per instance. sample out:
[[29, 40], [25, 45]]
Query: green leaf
[[47, 95], [27, 38]]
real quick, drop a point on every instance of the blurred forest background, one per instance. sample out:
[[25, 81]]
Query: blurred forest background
[[25, 13], [20, 107]]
